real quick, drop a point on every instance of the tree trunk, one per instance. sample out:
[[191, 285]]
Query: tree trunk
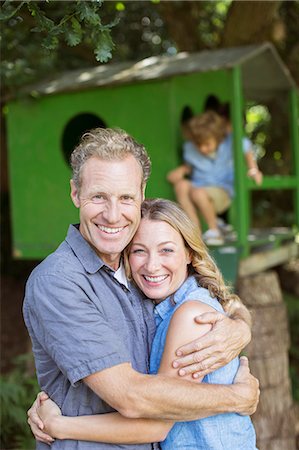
[[249, 22], [268, 357], [181, 20]]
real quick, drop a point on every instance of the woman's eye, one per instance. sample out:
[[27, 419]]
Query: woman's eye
[[167, 250]]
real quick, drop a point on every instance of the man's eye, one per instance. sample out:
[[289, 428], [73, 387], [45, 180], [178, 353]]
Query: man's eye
[[97, 198], [126, 198]]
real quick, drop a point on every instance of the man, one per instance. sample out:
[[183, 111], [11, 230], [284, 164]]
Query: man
[[91, 331]]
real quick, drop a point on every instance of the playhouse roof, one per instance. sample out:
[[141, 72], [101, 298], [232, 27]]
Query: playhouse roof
[[263, 71]]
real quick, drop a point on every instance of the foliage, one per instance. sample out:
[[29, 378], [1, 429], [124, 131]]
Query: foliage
[[34, 32], [18, 390]]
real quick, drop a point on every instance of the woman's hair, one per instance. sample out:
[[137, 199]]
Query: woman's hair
[[207, 125], [202, 265], [108, 144]]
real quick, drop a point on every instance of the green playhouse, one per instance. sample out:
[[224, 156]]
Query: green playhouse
[[146, 99]]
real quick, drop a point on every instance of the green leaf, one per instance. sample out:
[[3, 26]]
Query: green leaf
[[104, 46], [50, 42], [87, 13], [7, 12]]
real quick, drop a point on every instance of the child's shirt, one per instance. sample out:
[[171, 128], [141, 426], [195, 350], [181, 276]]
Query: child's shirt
[[213, 171], [229, 431]]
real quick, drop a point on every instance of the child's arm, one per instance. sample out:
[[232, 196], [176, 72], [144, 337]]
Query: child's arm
[[176, 175], [253, 170]]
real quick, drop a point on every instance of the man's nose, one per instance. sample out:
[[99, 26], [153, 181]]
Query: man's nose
[[112, 212]]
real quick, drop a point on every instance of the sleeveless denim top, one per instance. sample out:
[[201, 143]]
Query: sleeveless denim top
[[229, 431]]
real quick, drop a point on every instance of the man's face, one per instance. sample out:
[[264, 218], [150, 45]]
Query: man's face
[[109, 200]]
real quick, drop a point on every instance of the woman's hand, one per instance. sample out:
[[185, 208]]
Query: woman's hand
[[35, 422], [216, 348]]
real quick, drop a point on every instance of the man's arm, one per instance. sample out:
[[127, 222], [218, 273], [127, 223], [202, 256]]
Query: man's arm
[[135, 395], [158, 399], [228, 336]]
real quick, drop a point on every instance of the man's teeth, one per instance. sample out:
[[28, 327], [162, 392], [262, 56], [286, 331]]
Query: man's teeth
[[110, 230], [155, 279]]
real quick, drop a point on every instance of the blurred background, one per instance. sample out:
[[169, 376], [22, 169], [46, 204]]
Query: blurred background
[[43, 40]]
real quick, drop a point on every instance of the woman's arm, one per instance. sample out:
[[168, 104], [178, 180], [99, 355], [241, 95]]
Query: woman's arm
[[114, 428], [229, 335]]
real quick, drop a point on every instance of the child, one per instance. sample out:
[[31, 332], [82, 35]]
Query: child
[[208, 160]]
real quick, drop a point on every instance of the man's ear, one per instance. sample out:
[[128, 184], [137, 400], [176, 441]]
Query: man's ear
[[143, 192], [74, 194]]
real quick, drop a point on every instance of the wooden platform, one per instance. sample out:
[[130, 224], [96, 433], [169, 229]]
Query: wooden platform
[[268, 248]]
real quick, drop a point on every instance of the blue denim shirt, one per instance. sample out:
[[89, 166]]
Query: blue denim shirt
[[217, 171], [81, 320], [228, 431]]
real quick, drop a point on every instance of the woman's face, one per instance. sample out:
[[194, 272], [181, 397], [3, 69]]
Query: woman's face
[[158, 259]]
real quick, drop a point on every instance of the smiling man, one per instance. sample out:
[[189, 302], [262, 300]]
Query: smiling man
[[91, 329]]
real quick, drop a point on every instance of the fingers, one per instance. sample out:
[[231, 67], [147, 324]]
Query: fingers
[[38, 434], [209, 317], [34, 418]]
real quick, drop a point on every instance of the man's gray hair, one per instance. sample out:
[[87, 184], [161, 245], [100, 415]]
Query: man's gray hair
[[108, 144]]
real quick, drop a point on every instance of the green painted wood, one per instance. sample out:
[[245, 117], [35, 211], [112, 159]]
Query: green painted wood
[[274, 182], [241, 201]]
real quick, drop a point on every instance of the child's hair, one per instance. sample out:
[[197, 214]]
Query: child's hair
[[202, 265], [206, 126]]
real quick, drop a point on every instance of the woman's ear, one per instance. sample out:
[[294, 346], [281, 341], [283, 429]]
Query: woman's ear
[[74, 194]]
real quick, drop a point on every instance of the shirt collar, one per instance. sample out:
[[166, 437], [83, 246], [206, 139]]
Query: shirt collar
[[120, 275], [84, 252]]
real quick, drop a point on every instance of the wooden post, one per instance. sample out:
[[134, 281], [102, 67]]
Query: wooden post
[[274, 419]]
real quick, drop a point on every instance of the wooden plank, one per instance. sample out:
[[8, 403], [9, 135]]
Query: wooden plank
[[259, 262]]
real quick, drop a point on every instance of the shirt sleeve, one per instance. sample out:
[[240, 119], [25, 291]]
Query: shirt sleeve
[[190, 155], [247, 145], [203, 295], [71, 328]]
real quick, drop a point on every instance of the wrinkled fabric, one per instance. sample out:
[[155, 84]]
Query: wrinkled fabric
[[228, 431], [81, 320], [216, 171]]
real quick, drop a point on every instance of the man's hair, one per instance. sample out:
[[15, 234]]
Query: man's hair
[[109, 144], [207, 125], [202, 265]]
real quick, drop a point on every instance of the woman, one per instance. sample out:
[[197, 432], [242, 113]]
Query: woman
[[170, 264]]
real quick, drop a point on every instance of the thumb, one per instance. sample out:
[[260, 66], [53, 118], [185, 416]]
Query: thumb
[[244, 361], [209, 317]]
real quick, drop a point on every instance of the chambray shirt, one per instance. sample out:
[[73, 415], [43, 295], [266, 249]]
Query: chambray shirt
[[81, 320], [213, 171], [228, 431]]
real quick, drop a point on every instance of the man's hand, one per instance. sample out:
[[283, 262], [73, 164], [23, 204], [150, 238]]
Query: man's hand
[[247, 388], [216, 348], [35, 422]]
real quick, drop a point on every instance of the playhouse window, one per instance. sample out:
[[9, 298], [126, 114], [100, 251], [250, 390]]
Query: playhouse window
[[74, 129]]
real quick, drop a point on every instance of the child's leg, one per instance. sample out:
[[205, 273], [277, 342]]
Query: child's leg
[[182, 191], [202, 200]]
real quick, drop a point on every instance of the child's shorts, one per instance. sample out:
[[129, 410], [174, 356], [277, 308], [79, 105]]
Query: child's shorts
[[219, 197]]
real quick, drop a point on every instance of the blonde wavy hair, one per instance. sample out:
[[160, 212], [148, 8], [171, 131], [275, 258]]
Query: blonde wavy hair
[[202, 265]]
